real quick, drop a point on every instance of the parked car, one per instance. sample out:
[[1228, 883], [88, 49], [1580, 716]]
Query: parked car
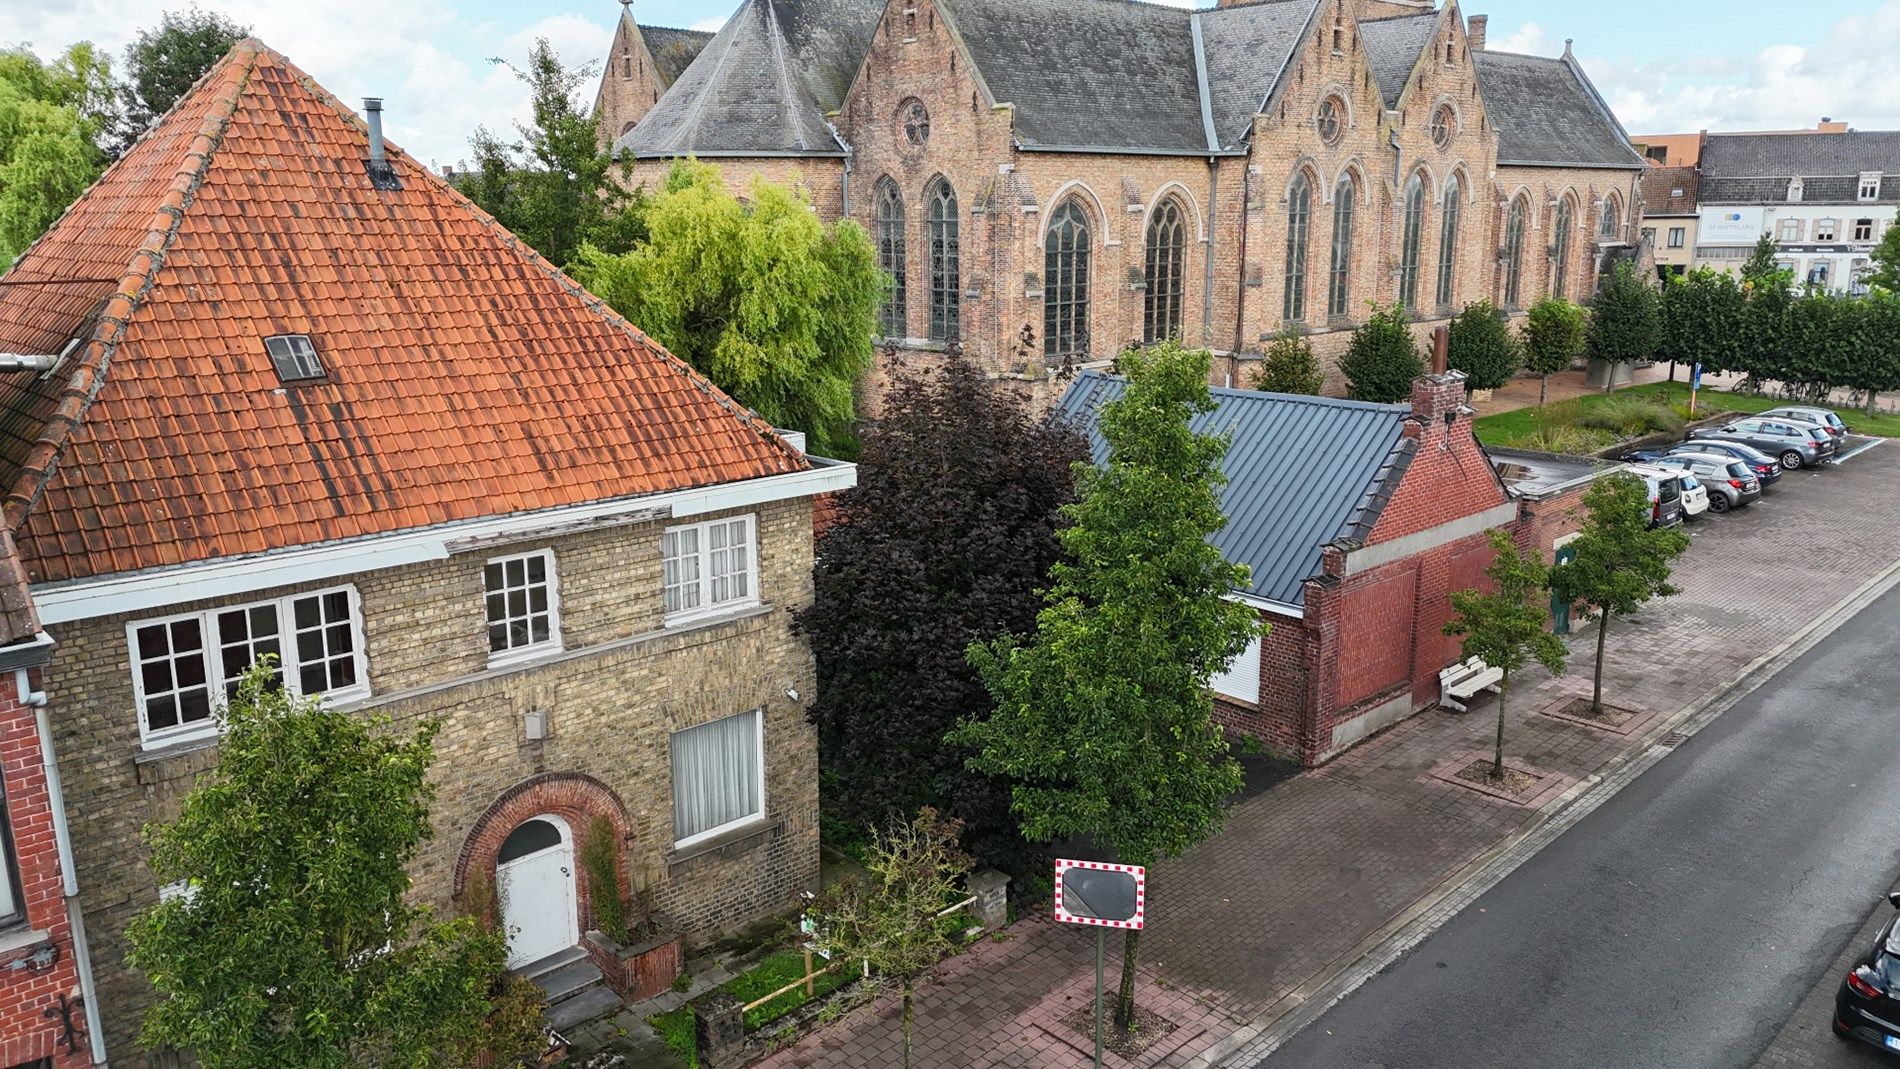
[[1695, 496], [1795, 444], [1765, 467], [1730, 483], [1824, 417], [1665, 494], [1868, 1006]]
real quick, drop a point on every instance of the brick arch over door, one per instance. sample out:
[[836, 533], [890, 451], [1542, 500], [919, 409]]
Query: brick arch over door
[[575, 797]]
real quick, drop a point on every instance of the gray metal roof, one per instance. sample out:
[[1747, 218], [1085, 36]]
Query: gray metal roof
[[763, 84], [1246, 47], [1089, 73], [1547, 113], [673, 50], [1302, 472], [1394, 46]]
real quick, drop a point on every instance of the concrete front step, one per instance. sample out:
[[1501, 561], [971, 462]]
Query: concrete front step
[[557, 960], [588, 1005], [568, 981]]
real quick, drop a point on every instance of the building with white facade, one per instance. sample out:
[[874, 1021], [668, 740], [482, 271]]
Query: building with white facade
[[1827, 198]]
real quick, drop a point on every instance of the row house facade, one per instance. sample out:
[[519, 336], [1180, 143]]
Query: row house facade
[[273, 388], [1049, 182]]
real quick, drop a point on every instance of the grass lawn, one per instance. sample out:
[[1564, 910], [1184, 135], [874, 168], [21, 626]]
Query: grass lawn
[[676, 1027], [1565, 426]]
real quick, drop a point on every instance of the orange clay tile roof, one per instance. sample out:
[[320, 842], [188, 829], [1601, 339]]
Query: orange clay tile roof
[[467, 377]]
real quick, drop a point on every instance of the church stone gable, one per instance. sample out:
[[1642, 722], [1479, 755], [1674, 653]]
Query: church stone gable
[[915, 69], [629, 84]]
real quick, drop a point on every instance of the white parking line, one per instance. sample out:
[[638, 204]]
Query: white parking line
[[1851, 454]]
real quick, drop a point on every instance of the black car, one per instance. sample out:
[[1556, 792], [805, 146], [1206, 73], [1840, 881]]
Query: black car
[[1868, 1007]]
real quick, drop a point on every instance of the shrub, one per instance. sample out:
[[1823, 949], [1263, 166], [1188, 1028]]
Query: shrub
[[1290, 366], [1566, 438], [1483, 347], [1628, 416], [1383, 359]]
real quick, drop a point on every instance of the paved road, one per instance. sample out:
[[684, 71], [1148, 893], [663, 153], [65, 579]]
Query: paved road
[[1806, 1041], [1683, 921]]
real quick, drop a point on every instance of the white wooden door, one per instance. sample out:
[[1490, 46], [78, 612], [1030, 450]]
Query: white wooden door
[[538, 904]]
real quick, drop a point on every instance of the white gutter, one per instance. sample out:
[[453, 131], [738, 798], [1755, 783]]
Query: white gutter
[[1278, 608], [69, 874], [81, 599]]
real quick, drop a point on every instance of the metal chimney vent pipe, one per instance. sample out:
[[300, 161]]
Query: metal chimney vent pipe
[[381, 175]]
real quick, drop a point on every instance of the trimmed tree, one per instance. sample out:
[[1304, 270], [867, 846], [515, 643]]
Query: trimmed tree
[[1103, 720], [888, 916], [1481, 345], [1886, 262], [295, 942], [1625, 325], [775, 307], [1505, 628], [1621, 562], [1702, 320], [1289, 365], [1553, 336], [1383, 358], [960, 490]]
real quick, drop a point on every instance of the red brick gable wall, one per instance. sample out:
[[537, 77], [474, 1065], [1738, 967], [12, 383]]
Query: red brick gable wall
[[1448, 479], [27, 993], [1376, 645]]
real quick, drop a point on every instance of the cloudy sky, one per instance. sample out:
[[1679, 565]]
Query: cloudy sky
[[1696, 64]]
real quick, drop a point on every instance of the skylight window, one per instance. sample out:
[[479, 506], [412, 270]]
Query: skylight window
[[295, 358]]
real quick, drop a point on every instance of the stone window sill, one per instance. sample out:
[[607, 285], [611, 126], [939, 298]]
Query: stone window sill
[[732, 844], [18, 939]]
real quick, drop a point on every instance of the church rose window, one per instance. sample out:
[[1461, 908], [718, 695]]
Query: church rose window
[[916, 122], [1328, 120], [1444, 124]]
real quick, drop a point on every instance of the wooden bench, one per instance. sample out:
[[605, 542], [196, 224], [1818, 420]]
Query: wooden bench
[[1457, 684]]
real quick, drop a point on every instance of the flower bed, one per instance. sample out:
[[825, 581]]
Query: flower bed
[[675, 1027]]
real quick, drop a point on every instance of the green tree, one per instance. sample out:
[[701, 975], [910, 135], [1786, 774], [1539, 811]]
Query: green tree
[[53, 117], [1886, 258], [1289, 365], [1482, 346], [775, 307], [1625, 324], [1765, 335], [960, 490], [1505, 628], [1702, 318], [1763, 264], [1621, 562], [163, 62], [554, 187], [1553, 336], [1103, 721], [1383, 358], [296, 945], [888, 916]]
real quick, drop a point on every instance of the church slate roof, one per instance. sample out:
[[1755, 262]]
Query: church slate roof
[[1247, 47], [1280, 515], [1548, 114], [763, 84], [673, 50], [1394, 45], [1756, 168]]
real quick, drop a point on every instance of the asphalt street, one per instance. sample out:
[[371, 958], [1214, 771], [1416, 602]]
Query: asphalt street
[[1682, 922]]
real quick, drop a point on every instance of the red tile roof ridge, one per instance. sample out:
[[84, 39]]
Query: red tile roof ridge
[[83, 385]]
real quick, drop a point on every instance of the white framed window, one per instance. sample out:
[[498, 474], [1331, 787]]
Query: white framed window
[[1863, 230], [1677, 235], [1870, 185], [12, 903], [706, 567], [183, 666], [1790, 230], [523, 605], [718, 777], [1825, 229]]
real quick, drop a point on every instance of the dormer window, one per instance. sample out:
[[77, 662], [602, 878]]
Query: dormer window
[[1870, 185], [294, 357], [1676, 192], [1794, 191]]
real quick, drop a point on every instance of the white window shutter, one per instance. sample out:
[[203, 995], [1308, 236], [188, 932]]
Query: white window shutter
[[1241, 681]]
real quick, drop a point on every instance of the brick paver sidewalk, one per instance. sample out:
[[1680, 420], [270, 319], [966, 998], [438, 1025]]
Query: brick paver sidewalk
[[1307, 871]]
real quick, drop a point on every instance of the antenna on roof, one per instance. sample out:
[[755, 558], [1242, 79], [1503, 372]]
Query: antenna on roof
[[381, 175]]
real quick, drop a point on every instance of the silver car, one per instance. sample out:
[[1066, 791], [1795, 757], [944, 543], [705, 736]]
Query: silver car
[[1731, 483], [1794, 443], [1824, 417]]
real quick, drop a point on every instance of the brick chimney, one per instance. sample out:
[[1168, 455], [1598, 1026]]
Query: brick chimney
[[1474, 31], [1435, 395]]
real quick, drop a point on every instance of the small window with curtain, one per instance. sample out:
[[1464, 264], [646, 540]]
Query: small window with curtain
[[708, 567], [718, 777], [519, 595]]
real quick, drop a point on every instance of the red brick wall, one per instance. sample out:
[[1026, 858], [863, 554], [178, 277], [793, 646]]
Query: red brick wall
[[26, 993], [1449, 478], [1376, 636], [1275, 719]]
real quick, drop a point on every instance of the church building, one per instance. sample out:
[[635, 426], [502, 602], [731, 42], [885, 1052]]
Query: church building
[[1049, 182]]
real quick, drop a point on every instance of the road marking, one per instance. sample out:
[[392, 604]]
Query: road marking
[[1857, 451]]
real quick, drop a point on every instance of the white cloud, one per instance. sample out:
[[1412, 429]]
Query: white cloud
[[1528, 39], [711, 25]]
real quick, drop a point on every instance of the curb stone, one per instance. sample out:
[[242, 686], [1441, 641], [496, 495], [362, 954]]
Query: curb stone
[[1430, 911]]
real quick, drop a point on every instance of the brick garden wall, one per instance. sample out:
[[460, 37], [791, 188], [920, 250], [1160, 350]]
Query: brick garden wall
[[624, 686]]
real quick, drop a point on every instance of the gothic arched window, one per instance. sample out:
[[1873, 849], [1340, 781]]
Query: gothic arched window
[[1448, 243], [1165, 273], [1408, 253], [1299, 224], [941, 232], [1607, 226], [1514, 253], [1065, 295], [1560, 250], [1339, 283], [890, 256]]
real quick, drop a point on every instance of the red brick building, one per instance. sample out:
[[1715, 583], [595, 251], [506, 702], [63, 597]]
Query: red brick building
[[1358, 521]]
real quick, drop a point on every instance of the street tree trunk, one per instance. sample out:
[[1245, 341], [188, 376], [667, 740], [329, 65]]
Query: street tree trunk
[[1125, 998], [1603, 631], [1497, 757], [907, 994], [1543, 390]]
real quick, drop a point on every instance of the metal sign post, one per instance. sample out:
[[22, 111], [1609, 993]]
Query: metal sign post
[[1104, 896], [1695, 384]]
